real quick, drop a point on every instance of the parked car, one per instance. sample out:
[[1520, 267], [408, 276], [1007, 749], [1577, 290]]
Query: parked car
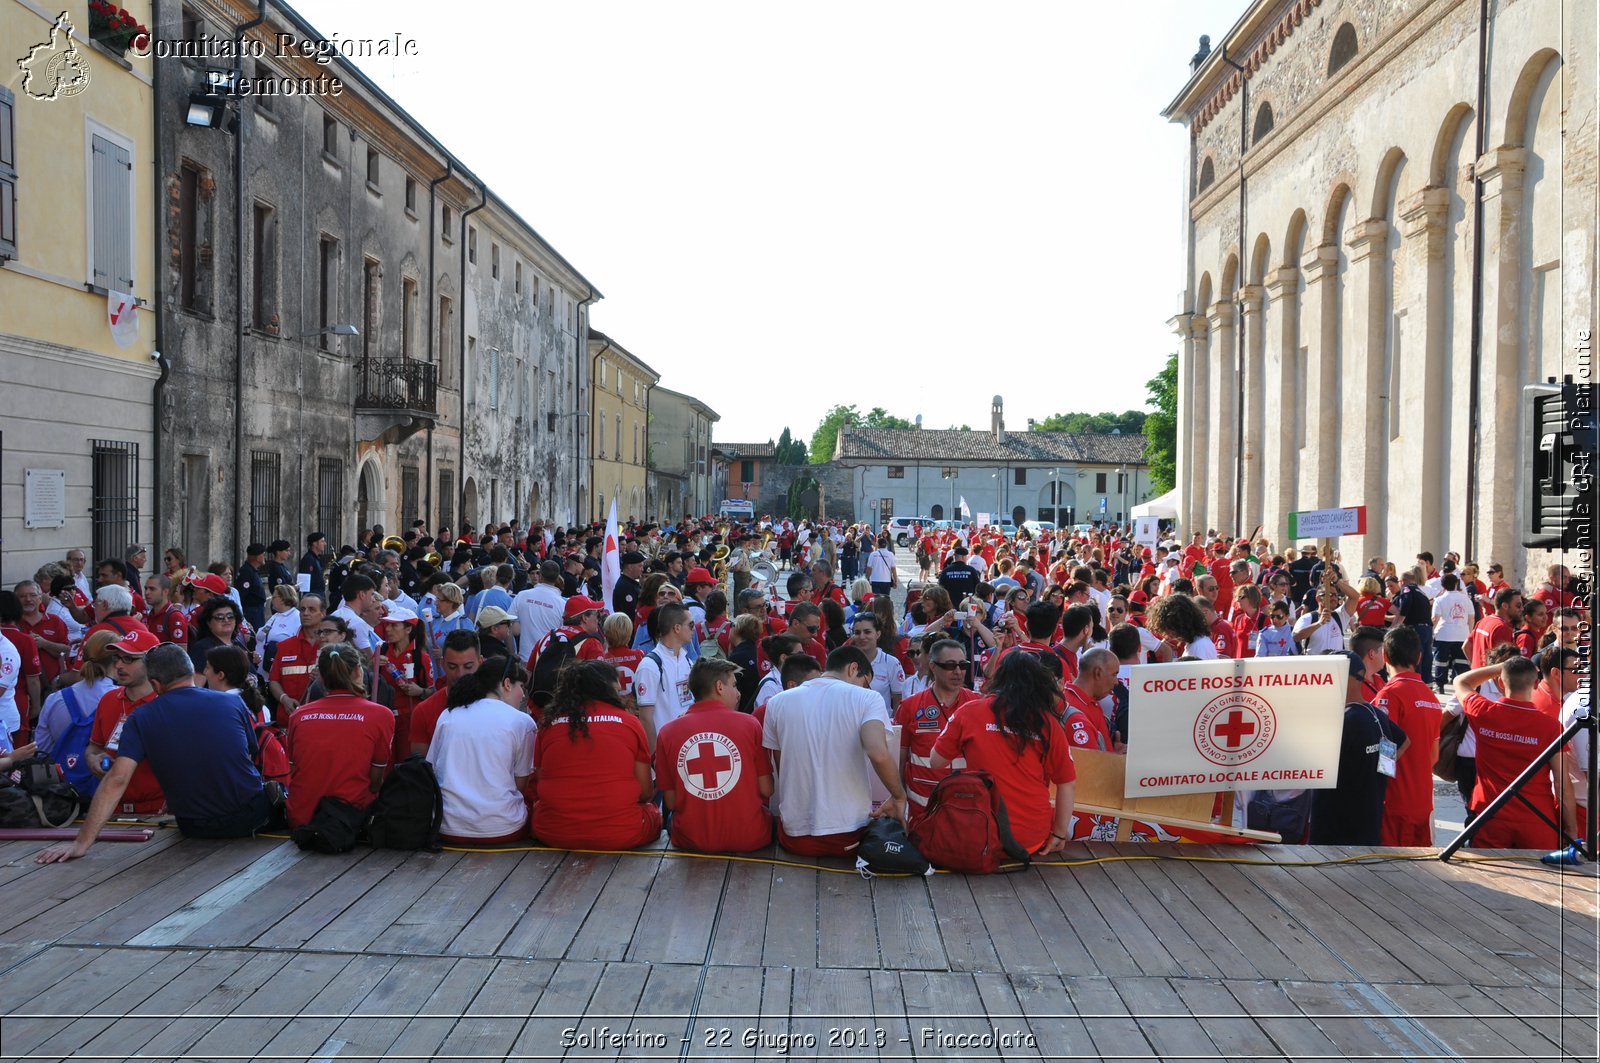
[[1039, 528], [900, 528]]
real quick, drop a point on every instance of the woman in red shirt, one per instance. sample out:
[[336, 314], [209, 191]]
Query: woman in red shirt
[[1372, 608], [618, 632], [591, 764], [1246, 619], [339, 745], [1015, 736], [407, 669]]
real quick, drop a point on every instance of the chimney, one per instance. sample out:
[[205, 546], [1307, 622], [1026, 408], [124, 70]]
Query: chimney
[[997, 420]]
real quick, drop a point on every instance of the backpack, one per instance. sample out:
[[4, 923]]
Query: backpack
[[965, 826], [71, 748], [409, 808], [271, 759], [35, 793], [556, 653], [1451, 732], [884, 847], [333, 828]]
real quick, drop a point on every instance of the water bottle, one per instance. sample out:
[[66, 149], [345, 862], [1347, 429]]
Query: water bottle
[[1570, 855]]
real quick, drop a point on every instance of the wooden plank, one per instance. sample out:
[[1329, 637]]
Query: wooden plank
[[401, 993], [491, 1024], [908, 933], [546, 930], [487, 929], [610, 925], [847, 932], [359, 925], [680, 913], [175, 1037], [559, 1008], [663, 1023], [1103, 901], [825, 1000], [271, 1008], [341, 886], [611, 1009], [743, 923], [1174, 917], [303, 1037], [1360, 1021], [72, 893], [791, 930], [960, 924], [729, 1007], [777, 1006], [1279, 1019], [888, 1031], [1007, 906], [130, 997], [1057, 1031], [124, 1036], [52, 1014], [430, 1024], [1555, 1016], [944, 1011], [1008, 1024], [1250, 953], [1165, 1019], [238, 891], [439, 914], [1234, 1037], [1107, 953], [1469, 1021], [1106, 1020]]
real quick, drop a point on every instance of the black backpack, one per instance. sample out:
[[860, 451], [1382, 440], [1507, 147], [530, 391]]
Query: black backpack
[[35, 793], [557, 652], [409, 808], [333, 828]]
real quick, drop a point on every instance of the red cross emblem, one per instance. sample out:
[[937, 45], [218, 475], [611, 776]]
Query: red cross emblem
[[1234, 730], [709, 765]]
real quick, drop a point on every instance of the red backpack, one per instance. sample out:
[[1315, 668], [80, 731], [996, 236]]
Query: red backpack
[[272, 761], [965, 827]]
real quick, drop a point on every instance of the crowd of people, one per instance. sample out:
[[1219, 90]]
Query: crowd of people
[[689, 696]]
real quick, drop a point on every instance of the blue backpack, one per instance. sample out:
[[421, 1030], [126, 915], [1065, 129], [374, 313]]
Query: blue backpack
[[70, 752]]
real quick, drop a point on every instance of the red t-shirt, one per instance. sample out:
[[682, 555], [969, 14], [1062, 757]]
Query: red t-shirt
[[334, 743], [1224, 580], [1414, 707], [1021, 776], [589, 649], [404, 666], [425, 717], [1510, 735], [1490, 632], [1372, 610], [169, 624], [1547, 701], [588, 793], [920, 719], [710, 759], [1244, 626], [1554, 598], [51, 629], [31, 665], [294, 666], [121, 625], [143, 795], [1087, 726], [1223, 638], [625, 661]]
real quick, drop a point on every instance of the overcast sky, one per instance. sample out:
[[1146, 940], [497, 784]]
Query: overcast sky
[[907, 205]]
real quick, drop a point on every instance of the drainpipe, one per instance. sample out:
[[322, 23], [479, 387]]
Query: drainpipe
[[1474, 388], [158, 392], [238, 290], [1238, 301], [433, 298], [594, 361], [580, 341], [461, 342]]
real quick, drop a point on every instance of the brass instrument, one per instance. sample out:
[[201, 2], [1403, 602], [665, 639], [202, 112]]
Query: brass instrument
[[432, 557], [395, 543]]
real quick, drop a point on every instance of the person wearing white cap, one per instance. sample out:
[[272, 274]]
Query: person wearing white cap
[[407, 668]]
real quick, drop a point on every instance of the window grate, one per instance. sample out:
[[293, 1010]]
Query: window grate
[[330, 499], [114, 511], [266, 471], [447, 502], [410, 490]]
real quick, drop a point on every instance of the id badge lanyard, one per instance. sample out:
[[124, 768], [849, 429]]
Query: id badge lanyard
[[1386, 748]]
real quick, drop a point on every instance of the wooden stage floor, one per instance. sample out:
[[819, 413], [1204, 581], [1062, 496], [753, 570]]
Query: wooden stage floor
[[176, 949]]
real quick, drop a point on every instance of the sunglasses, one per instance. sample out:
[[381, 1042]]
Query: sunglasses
[[224, 616], [1115, 609], [950, 666]]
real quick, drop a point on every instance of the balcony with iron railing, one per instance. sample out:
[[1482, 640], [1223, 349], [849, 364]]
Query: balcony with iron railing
[[395, 397]]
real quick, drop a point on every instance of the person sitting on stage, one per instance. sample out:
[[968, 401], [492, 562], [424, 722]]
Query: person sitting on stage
[[714, 774], [1015, 736], [1512, 732], [340, 744], [592, 766], [819, 732], [482, 751], [922, 716]]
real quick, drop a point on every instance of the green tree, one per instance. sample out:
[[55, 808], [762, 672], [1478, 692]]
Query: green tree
[[826, 437], [1161, 427], [878, 417], [789, 451], [1128, 423]]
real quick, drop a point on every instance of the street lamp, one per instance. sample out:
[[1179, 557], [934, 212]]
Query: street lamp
[[343, 329]]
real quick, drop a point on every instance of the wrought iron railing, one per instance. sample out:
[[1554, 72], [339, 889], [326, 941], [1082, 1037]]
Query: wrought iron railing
[[397, 384]]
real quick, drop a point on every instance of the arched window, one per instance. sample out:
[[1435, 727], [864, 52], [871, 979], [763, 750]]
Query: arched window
[[1263, 123], [1208, 174], [1344, 48]]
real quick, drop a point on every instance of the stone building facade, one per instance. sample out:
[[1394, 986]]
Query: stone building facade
[[359, 330], [1379, 260], [680, 454], [620, 428]]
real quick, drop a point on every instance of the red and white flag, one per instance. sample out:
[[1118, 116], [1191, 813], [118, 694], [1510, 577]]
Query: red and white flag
[[610, 559]]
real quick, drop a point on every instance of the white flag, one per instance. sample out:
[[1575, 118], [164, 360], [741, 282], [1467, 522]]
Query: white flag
[[964, 514], [610, 559], [122, 314]]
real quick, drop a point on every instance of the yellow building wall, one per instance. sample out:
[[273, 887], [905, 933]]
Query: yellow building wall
[[618, 475], [42, 293]]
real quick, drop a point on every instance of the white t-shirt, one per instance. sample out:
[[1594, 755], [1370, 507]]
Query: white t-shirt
[[360, 631], [1202, 649], [880, 566], [888, 676], [10, 676], [1452, 616], [824, 782], [771, 683], [478, 750], [914, 685], [74, 629], [1329, 636], [1578, 699], [280, 626], [666, 687], [538, 610]]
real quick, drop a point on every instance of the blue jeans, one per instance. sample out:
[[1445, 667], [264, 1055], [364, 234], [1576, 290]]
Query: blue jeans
[[1425, 637]]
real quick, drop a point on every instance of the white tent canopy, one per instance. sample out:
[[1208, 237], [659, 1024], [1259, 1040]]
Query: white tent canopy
[[1163, 506]]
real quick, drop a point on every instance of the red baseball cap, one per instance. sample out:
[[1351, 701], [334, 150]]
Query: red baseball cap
[[700, 575], [211, 582], [135, 643], [577, 605]]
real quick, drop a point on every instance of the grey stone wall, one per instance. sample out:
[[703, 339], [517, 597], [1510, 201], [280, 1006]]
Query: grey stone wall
[[836, 483]]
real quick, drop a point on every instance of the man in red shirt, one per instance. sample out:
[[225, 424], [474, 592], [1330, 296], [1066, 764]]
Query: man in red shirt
[[1559, 677], [49, 633], [921, 718], [712, 770], [1511, 735], [461, 655], [1084, 717], [581, 622], [294, 665], [1554, 592], [805, 624], [111, 573], [164, 619], [1415, 709], [143, 794], [1494, 628]]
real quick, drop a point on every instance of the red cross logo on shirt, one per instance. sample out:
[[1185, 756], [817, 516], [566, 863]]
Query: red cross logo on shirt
[[1235, 730], [709, 764]]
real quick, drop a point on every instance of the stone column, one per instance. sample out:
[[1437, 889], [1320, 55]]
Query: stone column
[[1365, 438], [1500, 480], [1419, 463], [1321, 331], [1224, 408], [1183, 457], [1199, 434], [1284, 411], [1252, 468]]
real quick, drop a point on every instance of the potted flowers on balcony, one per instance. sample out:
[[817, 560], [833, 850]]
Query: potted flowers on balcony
[[115, 29]]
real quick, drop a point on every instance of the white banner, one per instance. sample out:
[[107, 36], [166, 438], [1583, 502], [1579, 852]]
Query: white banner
[[122, 314], [1147, 531], [1270, 723]]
